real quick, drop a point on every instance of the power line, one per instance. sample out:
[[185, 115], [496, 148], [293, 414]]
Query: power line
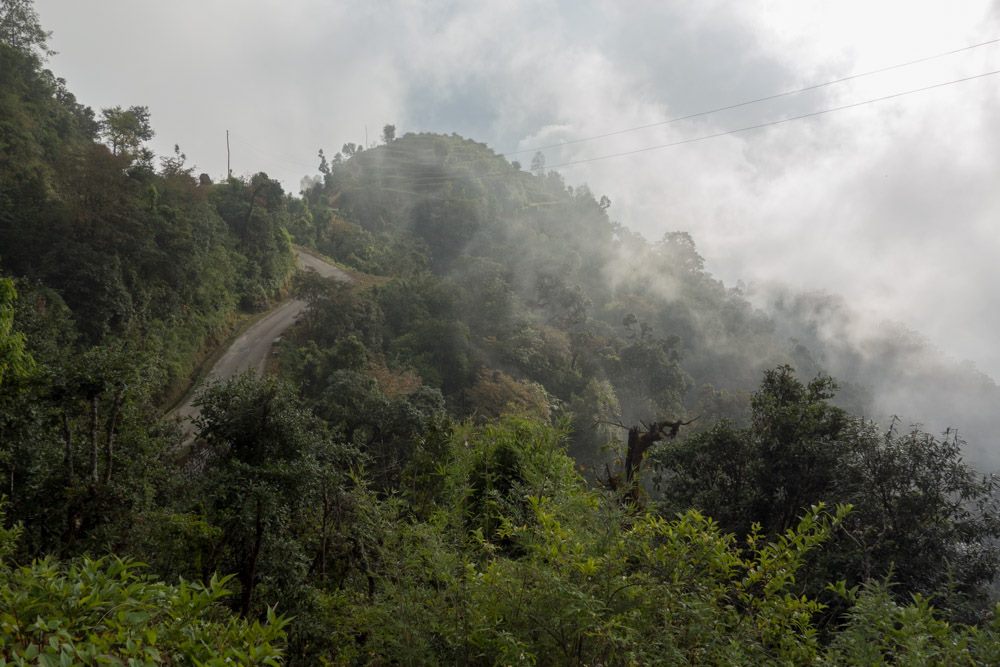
[[441, 180], [776, 122], [758, 100], [747, 103]]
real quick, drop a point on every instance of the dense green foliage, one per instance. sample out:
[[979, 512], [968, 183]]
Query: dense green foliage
[[14, 360], [521, 435], [558, 574], [121, 275], [106, 611], [125, 276], [920, 515]]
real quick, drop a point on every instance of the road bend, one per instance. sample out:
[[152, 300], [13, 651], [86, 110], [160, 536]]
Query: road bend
[[252, 348]]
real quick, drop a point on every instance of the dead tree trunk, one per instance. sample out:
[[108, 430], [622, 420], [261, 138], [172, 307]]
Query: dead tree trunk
[[640, 439]]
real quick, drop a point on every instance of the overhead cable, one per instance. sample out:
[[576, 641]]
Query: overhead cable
[[758, 100]]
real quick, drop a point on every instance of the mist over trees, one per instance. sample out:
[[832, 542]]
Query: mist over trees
[[521, 433]]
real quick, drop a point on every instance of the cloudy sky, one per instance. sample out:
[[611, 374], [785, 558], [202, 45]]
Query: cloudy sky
[[895, 205]]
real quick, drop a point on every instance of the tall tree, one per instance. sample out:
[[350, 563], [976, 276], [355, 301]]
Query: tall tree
[[270, 463], [324, 166], [20, 28], [125, 130]]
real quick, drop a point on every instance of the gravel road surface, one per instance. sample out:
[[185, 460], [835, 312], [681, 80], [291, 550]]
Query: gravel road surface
[[251, 350]]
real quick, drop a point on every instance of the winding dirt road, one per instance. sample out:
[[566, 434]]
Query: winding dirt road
[[252, 348]]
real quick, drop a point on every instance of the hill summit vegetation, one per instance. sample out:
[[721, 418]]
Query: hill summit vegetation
[[524, 434]]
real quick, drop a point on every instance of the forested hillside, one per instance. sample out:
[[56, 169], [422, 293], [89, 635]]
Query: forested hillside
[[554, 291], [523, 434]]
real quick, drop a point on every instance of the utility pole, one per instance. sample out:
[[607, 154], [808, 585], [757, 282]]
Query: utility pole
[[229, 171], [366, 137]]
